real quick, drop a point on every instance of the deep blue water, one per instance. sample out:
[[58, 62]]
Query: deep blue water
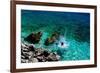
[[74, 29]]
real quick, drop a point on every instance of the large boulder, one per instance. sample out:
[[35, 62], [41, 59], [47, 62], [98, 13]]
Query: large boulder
[[33, 37]]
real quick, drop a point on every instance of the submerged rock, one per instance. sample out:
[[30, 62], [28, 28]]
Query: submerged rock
[[51, 39], [33, 37]]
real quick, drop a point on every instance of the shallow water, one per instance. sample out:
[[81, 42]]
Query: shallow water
[[74, 29]]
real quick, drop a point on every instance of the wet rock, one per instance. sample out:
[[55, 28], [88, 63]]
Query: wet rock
[[51, 39], [33, 37]]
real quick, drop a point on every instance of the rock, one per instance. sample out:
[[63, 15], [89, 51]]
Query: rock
[[38, 51], [33, 37], [46, 53], [23, 57], [24, 61], [53, 57], [51, 39], [26, 51], [24, 47], [41, 59], [31, 48], [33, 60], [58, 57], [30, 54], [25, 54]]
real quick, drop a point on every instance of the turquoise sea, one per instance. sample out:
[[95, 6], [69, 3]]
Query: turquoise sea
[[74, 29]]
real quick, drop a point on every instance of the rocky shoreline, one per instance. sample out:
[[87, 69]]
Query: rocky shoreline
[[31, 54]]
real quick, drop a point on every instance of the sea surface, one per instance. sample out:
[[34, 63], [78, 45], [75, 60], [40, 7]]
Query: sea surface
[[74, 29]]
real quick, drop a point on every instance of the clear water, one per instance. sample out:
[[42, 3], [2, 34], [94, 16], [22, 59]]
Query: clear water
[[74, 29]]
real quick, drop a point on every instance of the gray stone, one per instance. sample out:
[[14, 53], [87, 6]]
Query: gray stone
[[33, 60]]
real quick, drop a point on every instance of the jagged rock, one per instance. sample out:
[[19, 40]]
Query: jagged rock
[[24, 61], [30, 54], [25, 54], [38, 51], [51, 39], [24, 47], [23, 57], [33, 37], [31, 48], [53, 57], [41, 59], [46, 53]]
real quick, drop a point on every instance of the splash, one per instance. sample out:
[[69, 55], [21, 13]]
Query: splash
[[63, 43]]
